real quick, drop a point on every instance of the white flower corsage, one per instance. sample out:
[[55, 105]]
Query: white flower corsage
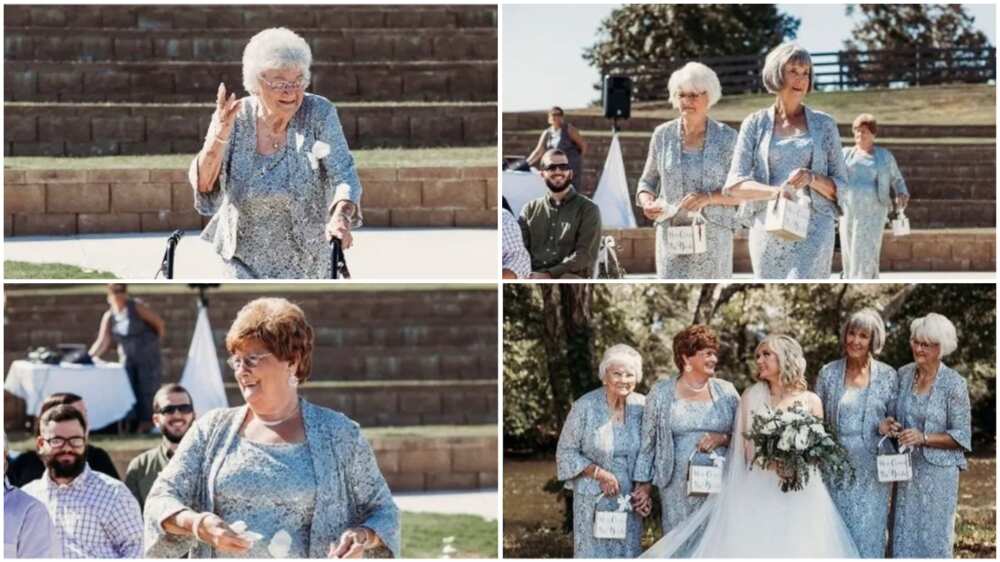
[[319, 151]]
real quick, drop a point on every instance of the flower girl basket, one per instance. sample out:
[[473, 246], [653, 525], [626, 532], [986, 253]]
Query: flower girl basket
[[688, 239], [900, 223], [705, 479], [788, 218], [612, 524], [894, 467]]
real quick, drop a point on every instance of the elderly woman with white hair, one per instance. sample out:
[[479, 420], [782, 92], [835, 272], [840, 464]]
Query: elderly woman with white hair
[[751, 517], [858, 394], [688, 420], [275, 169], [874, 185], [684, 174], [597, 452], [789, 150], [934, 418]]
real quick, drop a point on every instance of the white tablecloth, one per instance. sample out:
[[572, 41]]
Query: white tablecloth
[[104, 387], [521, 187]]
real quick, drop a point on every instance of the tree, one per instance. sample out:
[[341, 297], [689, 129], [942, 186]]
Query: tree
[[662, 37], [905, 28]]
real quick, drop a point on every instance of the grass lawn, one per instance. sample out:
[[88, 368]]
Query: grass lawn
[[972, 104], [29, 270], [475, 537], [370, 158]]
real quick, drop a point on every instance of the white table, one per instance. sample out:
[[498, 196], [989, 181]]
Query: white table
[[105, 387], [521, 187]]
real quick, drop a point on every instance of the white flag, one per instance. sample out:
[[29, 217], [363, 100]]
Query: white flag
[[612, 191], [202, 377]]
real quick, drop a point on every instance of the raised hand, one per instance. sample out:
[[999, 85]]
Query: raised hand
[[224, 117]]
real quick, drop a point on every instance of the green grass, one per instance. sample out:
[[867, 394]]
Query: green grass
[[475, 537], [929, 105], [286, 289], [29, 270], [369, 158]]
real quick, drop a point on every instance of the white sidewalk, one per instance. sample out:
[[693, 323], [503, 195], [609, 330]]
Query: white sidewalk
[[378, 253], [482, 503]]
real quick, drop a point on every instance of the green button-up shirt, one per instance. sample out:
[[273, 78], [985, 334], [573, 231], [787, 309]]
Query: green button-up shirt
[[144, 469], [562, 237]]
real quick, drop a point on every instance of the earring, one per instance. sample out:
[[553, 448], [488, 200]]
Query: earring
[[687, 368], [293, 381]]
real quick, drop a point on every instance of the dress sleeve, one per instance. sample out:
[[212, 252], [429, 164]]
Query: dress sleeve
[[649, 181], [897, 182], [342, 174], [177, 488], [744, 154], [646, 458], [960, 414], [374, 506], [207, 204], [836, 167], [570, 460]]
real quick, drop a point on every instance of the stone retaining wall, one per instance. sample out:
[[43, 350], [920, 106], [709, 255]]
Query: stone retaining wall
[[972, 249], [67, 202], [445, 463]]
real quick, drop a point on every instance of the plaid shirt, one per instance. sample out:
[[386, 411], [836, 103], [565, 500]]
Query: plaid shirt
[[515, 255], [95, 515]]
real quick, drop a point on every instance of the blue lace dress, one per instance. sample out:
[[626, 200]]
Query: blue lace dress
[[863, 222], [278, 494], [776, 258], [689, 421]]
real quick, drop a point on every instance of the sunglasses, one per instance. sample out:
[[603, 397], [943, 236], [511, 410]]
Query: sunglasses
[[555, 167], [176, 409]]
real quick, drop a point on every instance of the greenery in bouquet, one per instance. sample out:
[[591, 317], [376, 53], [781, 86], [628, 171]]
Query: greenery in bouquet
[[793, 441]]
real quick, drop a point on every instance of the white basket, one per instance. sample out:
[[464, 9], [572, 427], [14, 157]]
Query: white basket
[[704, 479], [787, 218], [688, 239], [611, 524], [900, 225], [895, 467]]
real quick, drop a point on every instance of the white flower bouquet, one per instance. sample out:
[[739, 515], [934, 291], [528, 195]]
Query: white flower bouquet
[[793, 441]]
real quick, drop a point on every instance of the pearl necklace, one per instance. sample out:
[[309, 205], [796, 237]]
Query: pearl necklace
[[693, 388], [278, 422]]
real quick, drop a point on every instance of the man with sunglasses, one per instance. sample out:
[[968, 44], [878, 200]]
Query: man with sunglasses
[[173, 415], [562, 230], [95, 515]]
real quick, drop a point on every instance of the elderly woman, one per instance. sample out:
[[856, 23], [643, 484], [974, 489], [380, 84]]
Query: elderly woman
[[858, 393], [784, 149], [565, 137], [687, 419], [874, 183], [301, 480], [137, 330], [275, 170], [597, 451], [685, 171], [933, 416]]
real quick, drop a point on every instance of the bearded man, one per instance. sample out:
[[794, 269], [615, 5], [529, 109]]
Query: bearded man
[[173, 415]]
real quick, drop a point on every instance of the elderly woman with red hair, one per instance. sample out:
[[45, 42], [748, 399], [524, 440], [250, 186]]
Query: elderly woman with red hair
[[688, 418], [278, 477]]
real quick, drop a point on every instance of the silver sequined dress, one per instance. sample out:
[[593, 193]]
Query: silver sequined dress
[[279, 494]]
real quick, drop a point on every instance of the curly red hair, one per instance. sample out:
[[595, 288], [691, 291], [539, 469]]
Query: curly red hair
[[691, 340], [281, 326]]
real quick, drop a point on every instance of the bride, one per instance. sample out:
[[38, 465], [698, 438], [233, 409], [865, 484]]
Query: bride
[[752, 517]]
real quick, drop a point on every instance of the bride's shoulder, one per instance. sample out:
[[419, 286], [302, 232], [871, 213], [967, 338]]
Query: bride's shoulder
[[812, 401]]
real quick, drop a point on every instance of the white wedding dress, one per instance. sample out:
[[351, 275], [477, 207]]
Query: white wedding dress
[[752, 517]]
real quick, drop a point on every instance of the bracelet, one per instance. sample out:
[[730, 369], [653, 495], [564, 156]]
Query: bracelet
[[220, 141], [924, 433]]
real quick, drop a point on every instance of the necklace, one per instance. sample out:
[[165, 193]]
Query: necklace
[[694, 388], [278, 422], [274, 140]]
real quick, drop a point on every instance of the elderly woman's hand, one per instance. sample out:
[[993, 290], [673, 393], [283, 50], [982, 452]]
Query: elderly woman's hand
[[902, 201], [650, 209], [711, 441], [220, 536], [799, 178], [695, 202], [911, 438], [339, 225], [224, 117], [608, 482], [351, 545], [889, 426]]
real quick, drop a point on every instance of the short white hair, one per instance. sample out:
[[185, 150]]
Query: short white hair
[[773, 75], [271, 49], [935, 328], [624, 356], [866, 320], [694, 77]]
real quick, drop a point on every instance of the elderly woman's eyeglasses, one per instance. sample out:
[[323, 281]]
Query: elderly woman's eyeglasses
[[59, 442], [284, 86], [690, 95], [924, 344], [250, 362]]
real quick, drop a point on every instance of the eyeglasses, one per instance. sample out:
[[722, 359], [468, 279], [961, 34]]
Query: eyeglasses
[[285, 86], [924, 344], [238, 362], [690, 95], [59, 442], [176, 409], [554, 167]]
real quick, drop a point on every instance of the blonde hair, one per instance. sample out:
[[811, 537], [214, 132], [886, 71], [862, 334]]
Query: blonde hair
[[791, 360], [281, 326]]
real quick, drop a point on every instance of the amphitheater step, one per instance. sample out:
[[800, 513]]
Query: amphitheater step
[[953, 249], [198, 82], [163, 17], [63, 129], [937, 213], [226, 45]]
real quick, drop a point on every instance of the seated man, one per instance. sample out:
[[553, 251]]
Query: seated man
[[516, 261], [28, 465], [95, 515], [562, 230], [27, 527], [173, 415]]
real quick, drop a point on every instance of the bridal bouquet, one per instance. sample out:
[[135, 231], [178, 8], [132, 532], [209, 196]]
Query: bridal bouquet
[[794, 441]]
